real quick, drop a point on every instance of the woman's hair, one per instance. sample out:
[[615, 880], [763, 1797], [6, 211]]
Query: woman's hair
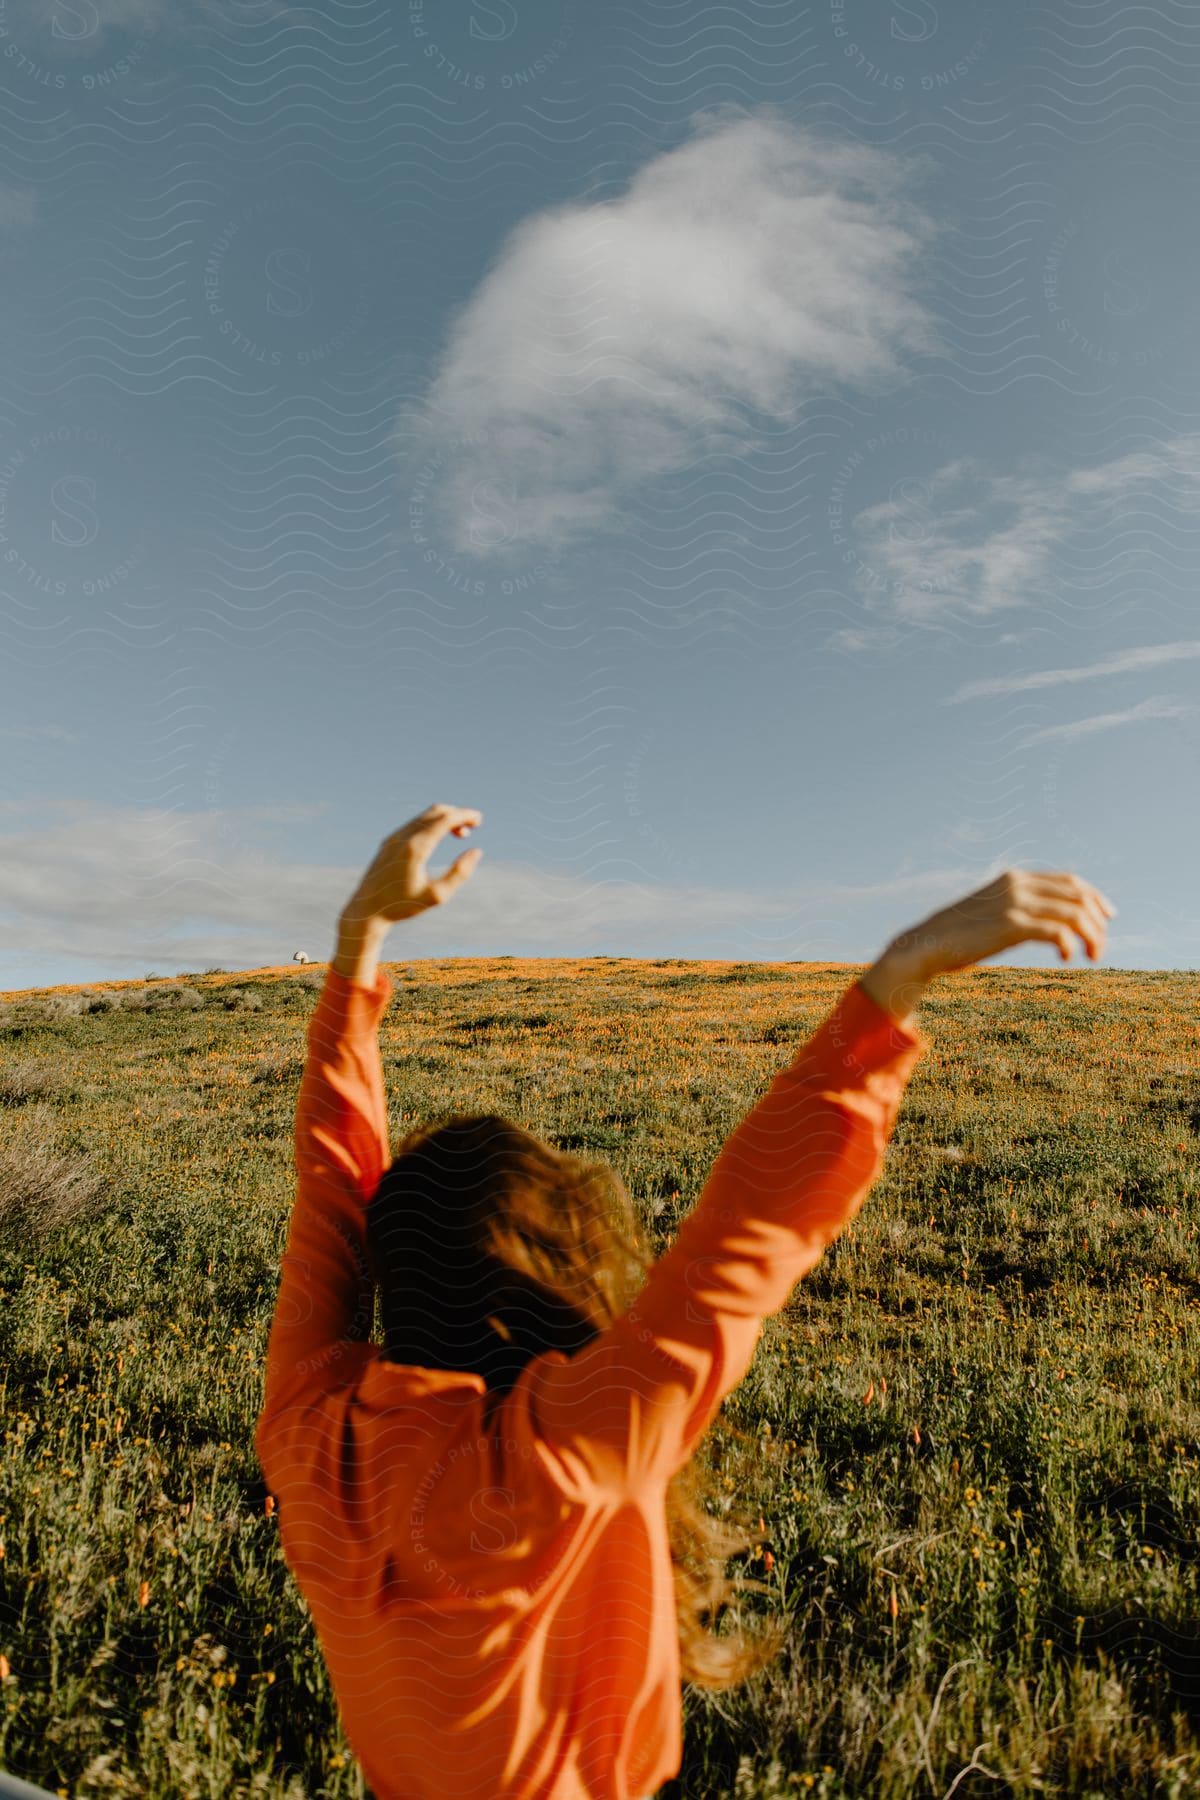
[[491, 1247]]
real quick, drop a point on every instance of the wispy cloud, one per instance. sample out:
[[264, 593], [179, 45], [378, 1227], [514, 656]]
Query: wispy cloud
[[41, 732], [617, 341], [130, 889], [1158, 706], [1121, 662], [979, 541], [982, 540], [864, 637]]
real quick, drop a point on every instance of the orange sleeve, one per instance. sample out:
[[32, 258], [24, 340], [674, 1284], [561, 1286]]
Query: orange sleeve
[[634, 1404], [325, 1305]]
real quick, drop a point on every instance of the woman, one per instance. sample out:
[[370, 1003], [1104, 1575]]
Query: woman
[[493, 1514]]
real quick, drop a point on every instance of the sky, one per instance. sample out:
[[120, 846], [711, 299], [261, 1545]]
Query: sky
[[750, 454]]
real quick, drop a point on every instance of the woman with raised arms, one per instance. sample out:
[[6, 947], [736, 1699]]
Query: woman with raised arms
[[492, 1514]]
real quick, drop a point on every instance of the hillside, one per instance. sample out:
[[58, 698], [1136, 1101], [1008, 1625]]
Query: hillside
[[973, 1437]]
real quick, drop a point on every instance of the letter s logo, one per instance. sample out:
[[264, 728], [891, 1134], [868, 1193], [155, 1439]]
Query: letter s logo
[[912, 518], [70, 498], [493, 514], [78, 20], [502, 12], [498, 1503], [924, 14], [289, 296]]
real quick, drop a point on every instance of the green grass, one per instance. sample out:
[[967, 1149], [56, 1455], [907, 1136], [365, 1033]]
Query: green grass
[[974, 1432]]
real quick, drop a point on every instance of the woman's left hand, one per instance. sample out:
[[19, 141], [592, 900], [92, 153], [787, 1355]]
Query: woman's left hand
[[397, 885]]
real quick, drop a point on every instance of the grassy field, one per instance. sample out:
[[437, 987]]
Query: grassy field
[[973, 1436]]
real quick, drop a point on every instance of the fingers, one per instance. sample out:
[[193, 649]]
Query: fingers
[[427, 832], [1052, 934], [1063, 883], [1061, 896], [1097, 909], [434, 823], [460, 870], [1054, 920]]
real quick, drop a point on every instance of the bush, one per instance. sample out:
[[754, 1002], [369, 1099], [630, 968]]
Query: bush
[[179, 999], [60, 1006], [23, 1081], [43, 1187], [97, 1000], [242, 1000], [170, 997]]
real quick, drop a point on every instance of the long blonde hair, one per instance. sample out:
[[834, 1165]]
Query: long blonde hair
[[490, 1247]]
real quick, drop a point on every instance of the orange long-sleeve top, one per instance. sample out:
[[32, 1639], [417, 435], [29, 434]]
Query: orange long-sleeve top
[[492, 1590]]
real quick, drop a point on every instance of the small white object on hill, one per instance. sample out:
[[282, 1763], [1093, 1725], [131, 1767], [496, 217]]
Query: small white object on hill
[[300, 957]]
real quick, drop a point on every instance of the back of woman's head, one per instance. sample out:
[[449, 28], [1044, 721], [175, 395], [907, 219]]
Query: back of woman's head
[[492, 1247]]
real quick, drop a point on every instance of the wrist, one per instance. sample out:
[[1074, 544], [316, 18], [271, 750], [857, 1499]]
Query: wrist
[[897, 980], [360, 926], [359, 941]]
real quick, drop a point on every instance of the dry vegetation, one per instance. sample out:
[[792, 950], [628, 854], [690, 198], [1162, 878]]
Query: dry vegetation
[[973, 1437]]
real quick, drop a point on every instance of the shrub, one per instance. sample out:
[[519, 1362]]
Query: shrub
[[180, 999], [60, 1006], [242, 1000], [24, 1081], [169, 997], [43, 1187], [98, 1000]]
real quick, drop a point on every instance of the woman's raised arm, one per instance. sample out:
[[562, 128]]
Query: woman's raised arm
[[632, 1406], [1017, 907]]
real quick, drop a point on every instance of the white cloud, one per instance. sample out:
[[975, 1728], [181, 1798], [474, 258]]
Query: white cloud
[[57, 732], [1158, 706], [128, 889], [618, 341], [942, 555], [864, 637], [1121, 662], [966, 539]]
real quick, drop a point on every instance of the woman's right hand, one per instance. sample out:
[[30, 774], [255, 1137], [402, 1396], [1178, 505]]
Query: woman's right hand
[[1020, 906]]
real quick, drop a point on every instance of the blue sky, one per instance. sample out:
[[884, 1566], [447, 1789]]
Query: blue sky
[[752, 456]]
